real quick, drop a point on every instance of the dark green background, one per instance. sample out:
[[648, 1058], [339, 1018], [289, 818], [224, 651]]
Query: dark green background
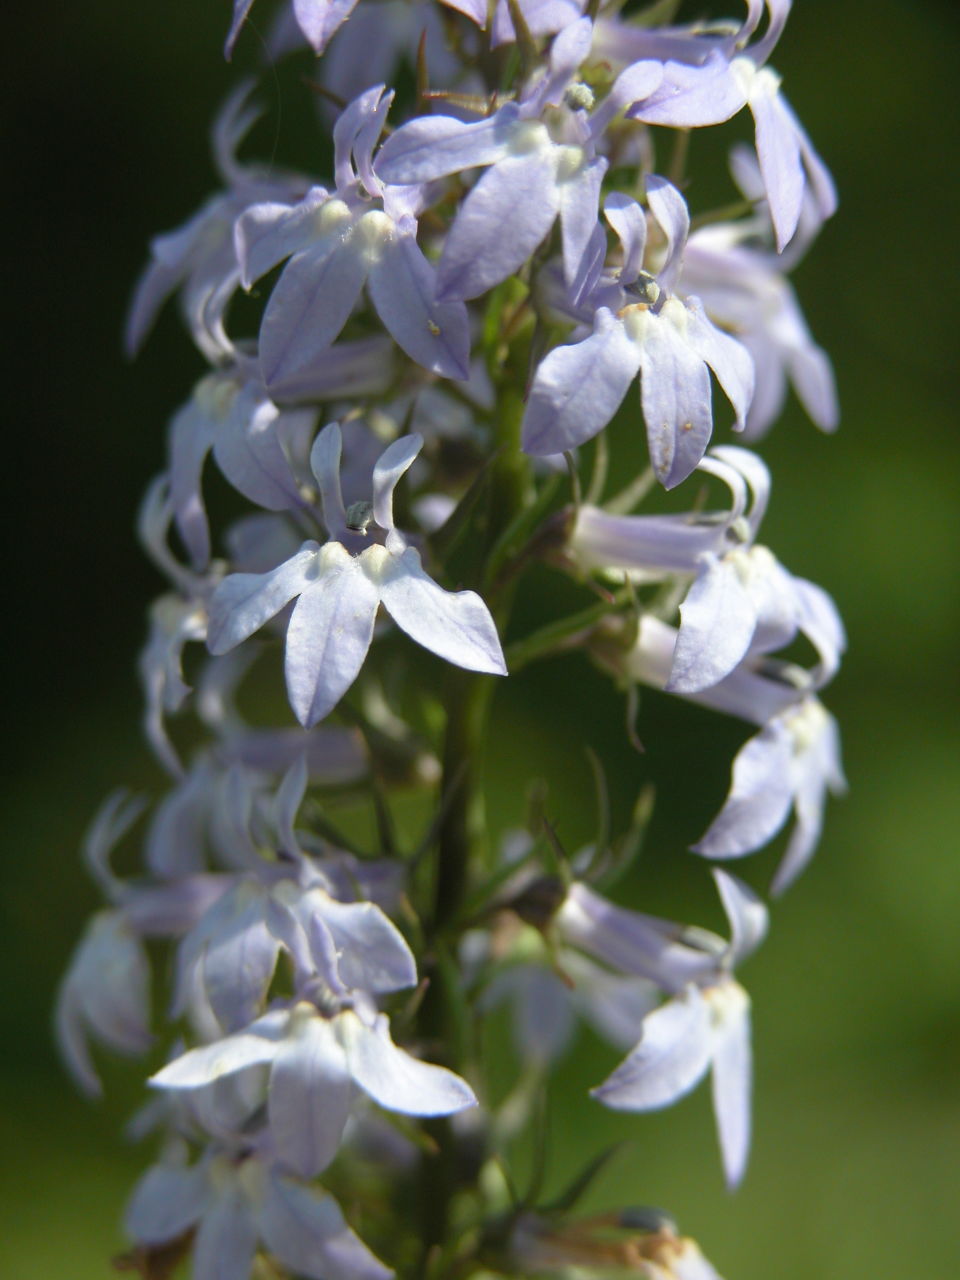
[[856, 1167]]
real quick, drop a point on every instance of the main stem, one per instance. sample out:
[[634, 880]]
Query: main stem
[[460, 834]]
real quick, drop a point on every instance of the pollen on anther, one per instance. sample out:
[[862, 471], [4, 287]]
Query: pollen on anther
[[434, 328]]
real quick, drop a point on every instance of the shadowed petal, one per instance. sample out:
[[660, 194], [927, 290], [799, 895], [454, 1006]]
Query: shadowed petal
[[503, 219], [393, 463], [403, 287], [579, 387], [226, 1239], [373, 954], [748, 916], [672, 1056], [759, 798], [304, 1228], [309, 306], [717, 622], [165, 1202]]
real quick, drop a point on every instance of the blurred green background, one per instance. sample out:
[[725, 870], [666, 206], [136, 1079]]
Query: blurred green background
[[856, 1166]]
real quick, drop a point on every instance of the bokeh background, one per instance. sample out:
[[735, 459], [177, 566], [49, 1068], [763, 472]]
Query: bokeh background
[[856, 1166]]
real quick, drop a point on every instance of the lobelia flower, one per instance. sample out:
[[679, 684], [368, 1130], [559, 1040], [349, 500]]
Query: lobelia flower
[[235, 1196], [105, 992], [198, 258], [741, 600], [531, 179], [319, 1055], [707, 82], [643, 328], [361, 233], [705, 1026], [340, 586], [792, 763], [743, 290]]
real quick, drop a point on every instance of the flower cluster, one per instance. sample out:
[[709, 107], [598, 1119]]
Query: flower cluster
[[441, 327]]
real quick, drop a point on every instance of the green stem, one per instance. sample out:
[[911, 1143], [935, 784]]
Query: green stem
[[460, 836]]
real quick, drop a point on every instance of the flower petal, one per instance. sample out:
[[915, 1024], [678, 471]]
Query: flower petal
[[394, 1078], [329, 634], [456, 625], [579, 387], [672, 1056], [310, 1093], [243, 602]]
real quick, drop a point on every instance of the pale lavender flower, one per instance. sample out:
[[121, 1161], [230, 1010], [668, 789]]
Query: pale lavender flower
[[743, 291], [706, 1026], [792, 763], [318, 1057], [708, 90], [363, 232], [668, 341], [741, 601], [198, 258], [531, 178], [235, 1199], [341, 585]]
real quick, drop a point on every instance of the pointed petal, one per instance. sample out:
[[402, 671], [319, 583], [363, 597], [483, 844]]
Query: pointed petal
[[520, 192], [779, 154], [190, 441], [372, 952], [309, 306], [689, 97], [748, 916], [267, 233], [403, 287], [433, 146], [319, 19], [671, 1058], [256, 1045], [227, 1237], [717, 622], [456, 625], [329, 634], [674, 392], [729, 359], [304, 1228], [579, 199], [393, 463], [732, 1079], [759, 799], [670, 210], [393, 1078], [630, 224], [310, 1093], [325, 465], [248, 451], [578, 388], [165, 1202], [243, 602]]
